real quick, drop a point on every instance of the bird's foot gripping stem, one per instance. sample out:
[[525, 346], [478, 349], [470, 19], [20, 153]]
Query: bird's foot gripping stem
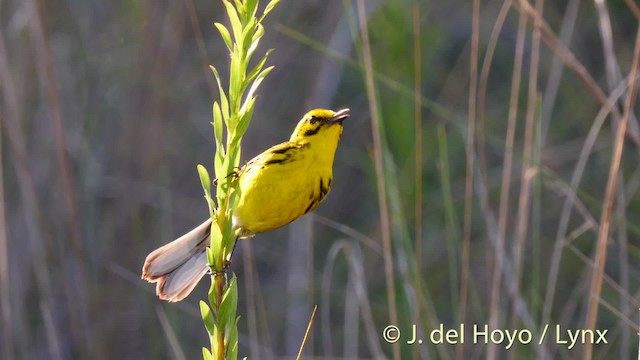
[[227, 263], [235, 174]]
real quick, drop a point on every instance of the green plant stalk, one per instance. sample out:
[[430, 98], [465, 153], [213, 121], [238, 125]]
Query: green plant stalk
[[233, 112]]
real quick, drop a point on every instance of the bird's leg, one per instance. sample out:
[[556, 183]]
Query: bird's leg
[[227, 263], [228, 260]]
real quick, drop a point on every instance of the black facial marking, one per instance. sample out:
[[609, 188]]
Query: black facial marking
[[312, 131], [313, 120]]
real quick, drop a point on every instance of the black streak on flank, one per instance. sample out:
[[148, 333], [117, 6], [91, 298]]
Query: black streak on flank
[[310, 207], [316, 199], [324, 190]]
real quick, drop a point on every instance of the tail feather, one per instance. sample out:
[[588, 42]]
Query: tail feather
[[178, 266], [176, 285]]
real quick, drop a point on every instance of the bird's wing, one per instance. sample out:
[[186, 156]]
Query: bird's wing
[[278, 154]]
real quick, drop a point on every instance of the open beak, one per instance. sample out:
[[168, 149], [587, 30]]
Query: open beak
[[339, 116]]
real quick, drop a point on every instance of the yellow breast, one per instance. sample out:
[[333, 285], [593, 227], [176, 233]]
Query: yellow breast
[[277, 189], [291, 178]]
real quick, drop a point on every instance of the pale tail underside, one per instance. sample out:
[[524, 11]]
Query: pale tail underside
[[178, 266]]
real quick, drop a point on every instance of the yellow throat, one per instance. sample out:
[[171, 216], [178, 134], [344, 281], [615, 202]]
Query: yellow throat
[[291, 178]]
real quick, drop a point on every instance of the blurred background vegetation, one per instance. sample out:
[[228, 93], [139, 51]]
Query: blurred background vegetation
[[105, 109]]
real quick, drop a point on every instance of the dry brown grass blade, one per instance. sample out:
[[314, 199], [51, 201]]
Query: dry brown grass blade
[[357, 278], [417, 88], [348, 231], [376, 124], [527, 153], [299, 281], [563, 52], [623, 259], [571, 200], [612, 71], [5, 290], [202, 48], [606, 278], [169, 334], [48, 80], [55, 350], [468, 186], [634, 8], [605, 221], [248, 262], [484, 81], [606, 35], [5, 293], [306, 334], [554, 76], [496, 281], [39, 241]]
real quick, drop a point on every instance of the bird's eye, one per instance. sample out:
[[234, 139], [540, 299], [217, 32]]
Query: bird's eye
[[313, 120]]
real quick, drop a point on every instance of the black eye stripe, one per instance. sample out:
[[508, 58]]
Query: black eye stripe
[[313, 120], [312, 131]]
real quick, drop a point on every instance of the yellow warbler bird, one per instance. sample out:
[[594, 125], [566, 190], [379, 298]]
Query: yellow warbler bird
[[276, 187]]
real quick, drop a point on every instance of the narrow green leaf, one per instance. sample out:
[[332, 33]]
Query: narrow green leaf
[[228, 307], [224, 32], [241, 10], [215, 247], [214, 343], [236, 26], [205, 180], [224, 103], [229, 164], [243, 124], [269, 7], [257, 35], [251, 8], [207, 317], [219, 165], [211, 256], [217, 127], [232, 341], [235, 81], [255, 40], [247, 35], [256, 83], [212, 292], [206, 354], [229, 236], [221, 192], [234, 159], [254, 72]]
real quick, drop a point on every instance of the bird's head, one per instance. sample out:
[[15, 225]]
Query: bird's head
[[320, 126]]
